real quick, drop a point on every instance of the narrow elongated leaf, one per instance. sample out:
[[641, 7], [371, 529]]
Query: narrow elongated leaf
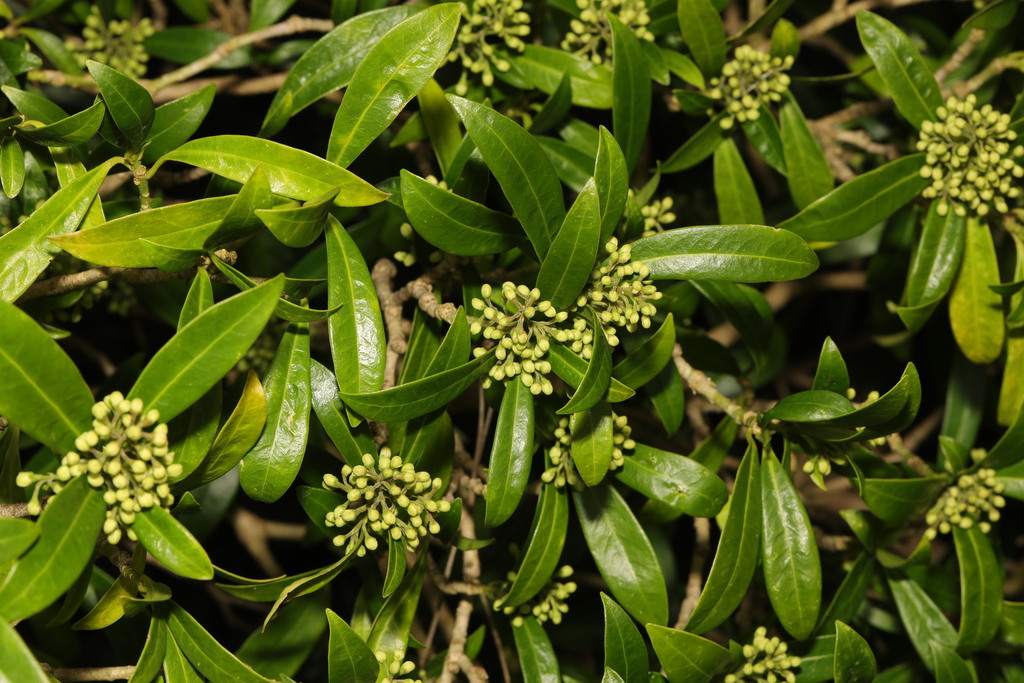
[[521, 168], [68, 529], [270, 467], [204, 350], [831, 374], [896, 500], [935, 264], [675, 480], [592, 444], [536, 655], [734, 189], [597, 379], [857, 205], [854, 661], [572, 369], [205, 653], [699, 147], [807, 170], [737, 253], [623, 553], [172, 544], [73, 130], [511, 454], [390, 631], [910, 81], [18, 662], [151, 658], [789, 552], [763, 133], [736, 556], [949, 667], [455, 224], [44, 394], [12, 166], [176, 121], [130, 105], [566, 266], [631, 90], [545, 67], [441, 122], [975, 311], [624, 648], [644, 363], [850, 594], [687, 658], [330, 411], [298, 226], [291, 172], [923, 620], [349, 659], [543, 545], [981, 589], [285, 310], [392, 72], [612, 178], [703, 33], [16, 536]]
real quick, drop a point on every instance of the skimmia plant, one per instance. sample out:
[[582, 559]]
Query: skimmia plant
[[601, 340]]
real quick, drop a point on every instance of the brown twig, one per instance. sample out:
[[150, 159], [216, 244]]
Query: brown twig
[[99, 673], [701, 384], [254, 532], [14, 510], [62, 284], [842, 11], [695, 582]]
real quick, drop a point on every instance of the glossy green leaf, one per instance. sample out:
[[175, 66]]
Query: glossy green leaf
[[570, 259], [597, 378], [981, 589], [975, 311], [537, 657], [592, 444], [789, 552], [330, 412], [177, 668], [624, 649], [935, 263], [270, 466], [240, 220], [152, 656], [391, 626], [674, 480], [923, 620], [668, 398], [285, 310], [12, 166], [357, 330], [172, 544], [395, 568], [44, 394], [623, 553], [896, 500], [814, 405], [73, 130], [204, 350], [298, 226], [910, 81], [555, 108], [546, 66], [176, 121], [854, 661], [736, 253], [571, 369], [687, 658], [831, 374], [631, 91], [703, 33], [738, 548], [508, 468], [17, 663], [207, 655], [129, 104], [763, 133], [418, 398], [521, 168], [349, 659], [441, 122], [859, 204], [1008, 450], [698, 147], [612, 178], [850, 594], [16, 536], [394, 69], [807, 170], [949, 667], [291, 172], [455, 224], [643, 364], [26, 246], [283, 647], [68, 529], [543, 545], [734, 188]]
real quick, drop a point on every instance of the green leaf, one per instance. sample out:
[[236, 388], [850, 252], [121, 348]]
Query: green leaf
[[240, 219], [68, 529], [511, 453], [152, 656], [734, 189], [396, 566], [177, 668], [329, 63], [896, 500], [176, 121], [831, 374], [129, 104], [398, 65], [789, 552], [391, 626], [73, 130], [172, 544], [623, 553], [684, 67], [624, 649], [631, 90], [935, 263], [285, 310], [699, 146], [703, 33], [16, 536], [1010, 448], [687, 658], [814, 405], [521, 168], [850, 594], [597, 378], [18, 662], [566, 266], [763, 133], [646, 361], [910, 81], [981, 589], [298, 226], [975, 311], [949, 667], [543, 546], [12, 167], [357, 330], [204, 350], [26, 246], [441, 122], [545, 66], [612, 179], [808, 172], [291, 172], [592, 444], [555, 108], [572, 369], [287, 642], [856, 206], [854, 661], [271, 466], [771, 13], [455, 224], [537, 657], [674, 480], [207, 655], [420, 397], [349, 659], [738, 548], [44, 394], [923, 620], [330, 412], [736, 253]]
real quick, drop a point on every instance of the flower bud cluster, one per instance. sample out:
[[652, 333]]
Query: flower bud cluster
[[657, 215], [548, 605], [396, 667], [970, 501], [620, 292], [971, 158], [385, 497], [130, 463], [118, 44], [563, 469], [766, 661], [752, 79], [488, 23], [590, 36], [523, 328]]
